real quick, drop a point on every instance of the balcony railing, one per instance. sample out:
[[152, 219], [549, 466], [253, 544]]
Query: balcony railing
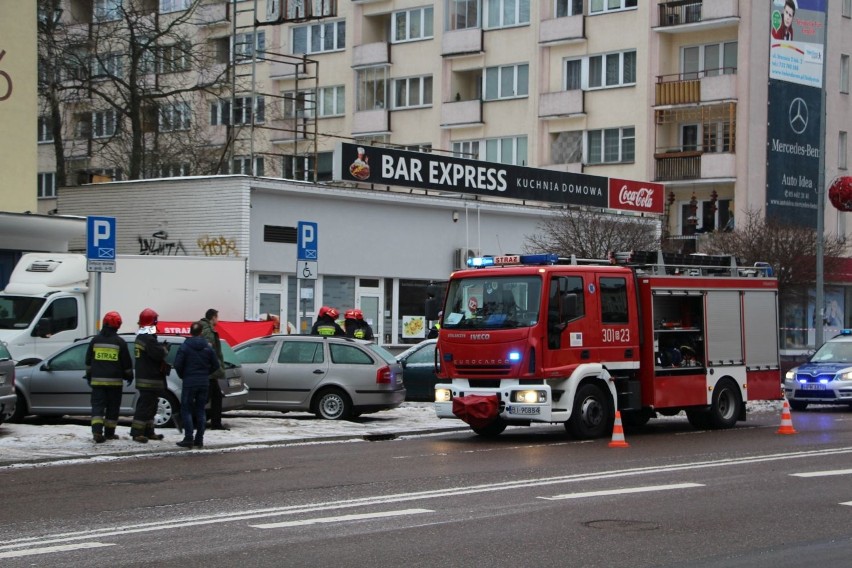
[[696, 87], [556, 30], [680, 12], [377, 53], [559, 104], [460, 42], [461, 113], [671, 166]]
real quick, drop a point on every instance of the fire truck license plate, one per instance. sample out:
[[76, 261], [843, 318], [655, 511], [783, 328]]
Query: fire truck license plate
[[813, 387], [524, 410]]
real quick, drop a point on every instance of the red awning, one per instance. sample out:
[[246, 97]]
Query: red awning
[[233, 332]]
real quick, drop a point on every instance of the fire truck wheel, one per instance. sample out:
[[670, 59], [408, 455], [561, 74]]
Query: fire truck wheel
[[592, 416], [725, 408], [493, 429], [332, 404]]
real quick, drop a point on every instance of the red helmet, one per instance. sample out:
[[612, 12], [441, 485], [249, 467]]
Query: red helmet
[[328, 311], [148, 317], [358, 314], [350, 314], [112, 319]]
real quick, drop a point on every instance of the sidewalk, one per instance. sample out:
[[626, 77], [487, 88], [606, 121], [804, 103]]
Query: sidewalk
[[40, 440]]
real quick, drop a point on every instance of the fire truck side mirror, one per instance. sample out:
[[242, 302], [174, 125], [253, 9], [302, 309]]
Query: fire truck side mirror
[[432, 309]]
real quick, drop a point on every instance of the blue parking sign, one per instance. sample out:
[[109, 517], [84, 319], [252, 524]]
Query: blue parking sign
[[100, 238], [307, 242]]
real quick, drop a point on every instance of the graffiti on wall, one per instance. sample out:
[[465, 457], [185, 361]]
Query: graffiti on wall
[[218, 246], [159, 245]]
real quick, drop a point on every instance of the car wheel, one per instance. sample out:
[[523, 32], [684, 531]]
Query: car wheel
[[20, 408], [492, 430], [168, 409], [592, 416], [698, 419], [332, 404], [798, 404], [725, 406]]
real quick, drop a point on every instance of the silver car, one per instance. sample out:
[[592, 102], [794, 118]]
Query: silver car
[[7, 384], [56, 387], [334, 377]]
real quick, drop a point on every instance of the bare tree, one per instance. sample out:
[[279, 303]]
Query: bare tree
[[143, 76], [50, 88], [789, 249], [590, 233]]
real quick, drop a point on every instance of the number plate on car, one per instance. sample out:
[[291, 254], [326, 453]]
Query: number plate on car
[[813, 387], [524, 410], [234, 382]]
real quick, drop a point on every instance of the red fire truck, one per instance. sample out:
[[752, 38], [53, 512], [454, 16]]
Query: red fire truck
[[534, 338]]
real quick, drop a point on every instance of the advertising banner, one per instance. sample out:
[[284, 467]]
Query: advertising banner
[[385, 166]]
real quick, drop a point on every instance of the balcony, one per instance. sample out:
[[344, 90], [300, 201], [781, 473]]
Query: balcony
[[560, 104], [461, 113], [694, 165], [690, 15], [461, 42], [370, 122], [561, 30], [695, 88], [368, 54], [212, 14]]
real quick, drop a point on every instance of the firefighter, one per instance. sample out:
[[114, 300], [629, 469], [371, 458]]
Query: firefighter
[[326, 324], [436, 327], [108, 363], [151, 371], [356, 326]]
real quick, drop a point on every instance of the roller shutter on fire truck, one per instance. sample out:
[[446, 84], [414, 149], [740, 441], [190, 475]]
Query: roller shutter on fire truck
[[724, 328]]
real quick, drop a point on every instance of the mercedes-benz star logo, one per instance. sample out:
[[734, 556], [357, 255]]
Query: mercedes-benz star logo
[[798, 115]]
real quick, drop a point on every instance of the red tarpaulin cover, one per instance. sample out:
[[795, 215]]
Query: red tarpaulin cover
[[231, 331], [478, 411]]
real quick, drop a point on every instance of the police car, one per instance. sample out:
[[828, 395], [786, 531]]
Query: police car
[[827, 376]]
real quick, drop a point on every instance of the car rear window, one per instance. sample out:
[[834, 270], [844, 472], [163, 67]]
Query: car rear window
[[383, 353]]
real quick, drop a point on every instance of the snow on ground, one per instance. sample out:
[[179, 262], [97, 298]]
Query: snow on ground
[[43, 440]]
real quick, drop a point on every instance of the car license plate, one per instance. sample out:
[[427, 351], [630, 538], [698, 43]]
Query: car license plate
[[235, 382], [524, 410], [813, 387]]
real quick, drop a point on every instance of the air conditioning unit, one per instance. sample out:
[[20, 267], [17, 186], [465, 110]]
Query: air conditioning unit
[[461, 255]]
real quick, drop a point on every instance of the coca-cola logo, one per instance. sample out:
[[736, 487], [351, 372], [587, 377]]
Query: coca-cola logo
[[642, 197]]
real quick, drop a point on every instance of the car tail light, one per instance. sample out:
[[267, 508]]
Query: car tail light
[[384, 376]]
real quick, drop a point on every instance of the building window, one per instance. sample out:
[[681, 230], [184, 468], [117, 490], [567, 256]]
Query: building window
[[45, 129], [319, 38], [221, 48], [601, 6], [563, 8], [610, 145], [468, 150], [709, 60], [302, 167], [844, 73], [220, 112], [506, 13], [170, 170], [174, 117], [167, 6], [242, 165], [300, 104], [332, 101], [462, 14], [107, 10], [104, 123], [507, 82], [371, 83], [612, 70], [412, 92], [108, 65], [174, 58], [717, 137], [573, 74], [511, 150], [841, 150], [246, 45], [410, 25], [46, 184]]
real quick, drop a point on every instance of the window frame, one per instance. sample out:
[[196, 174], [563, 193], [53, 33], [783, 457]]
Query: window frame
[[844, 73], [338, 98], [426, 24], [338, 28], [423, 92], [245, 45], [622, 138], [567, 8], [468, 8], [606, 9], [489, 23], [605, 59], [178, 113], [516, 86], [45, 130], [42, 189], [104, 123], [376, 78]]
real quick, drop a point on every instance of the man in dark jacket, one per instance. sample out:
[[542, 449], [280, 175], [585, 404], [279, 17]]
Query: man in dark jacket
[[151, 371], [108, 363], [208, 332], [194, 363]]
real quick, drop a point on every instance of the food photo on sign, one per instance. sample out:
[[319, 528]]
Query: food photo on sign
[[359, 168], [413, 327]]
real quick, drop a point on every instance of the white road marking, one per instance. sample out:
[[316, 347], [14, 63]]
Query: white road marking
[[53, 549], [849, 503], [441, 493], [342, 518], [823, 473], [625, 491]]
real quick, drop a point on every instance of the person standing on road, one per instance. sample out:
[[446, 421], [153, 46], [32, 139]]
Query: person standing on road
[[108, 363], [208, 332], [151, 371], [194, 363], [326, 324], [356, 326]]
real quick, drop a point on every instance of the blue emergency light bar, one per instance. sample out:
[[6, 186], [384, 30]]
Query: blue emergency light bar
[[512, 259]]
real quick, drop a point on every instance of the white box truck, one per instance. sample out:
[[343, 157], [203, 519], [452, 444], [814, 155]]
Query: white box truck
[[50, 298]]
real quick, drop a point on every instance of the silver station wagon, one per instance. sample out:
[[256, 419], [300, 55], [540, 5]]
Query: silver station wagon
[[334, 377]]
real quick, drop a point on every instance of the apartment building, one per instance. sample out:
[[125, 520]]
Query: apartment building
[[668, 91]]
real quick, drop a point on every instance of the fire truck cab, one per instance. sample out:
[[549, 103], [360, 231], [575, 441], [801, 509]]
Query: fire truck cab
[[535, 338]]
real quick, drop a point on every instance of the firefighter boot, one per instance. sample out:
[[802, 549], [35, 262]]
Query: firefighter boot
[[151, 435], [109, 434], [98, 431]]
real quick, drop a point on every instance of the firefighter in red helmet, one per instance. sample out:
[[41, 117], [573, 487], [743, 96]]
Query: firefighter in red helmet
[[151, 371], [356, 326], [108, 363], [326, 324]]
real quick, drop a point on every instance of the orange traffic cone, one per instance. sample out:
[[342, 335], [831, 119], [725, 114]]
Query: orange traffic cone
[[618, 433], [786, 420]]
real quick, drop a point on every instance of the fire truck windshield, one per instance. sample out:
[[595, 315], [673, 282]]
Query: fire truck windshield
[[492, 302]]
